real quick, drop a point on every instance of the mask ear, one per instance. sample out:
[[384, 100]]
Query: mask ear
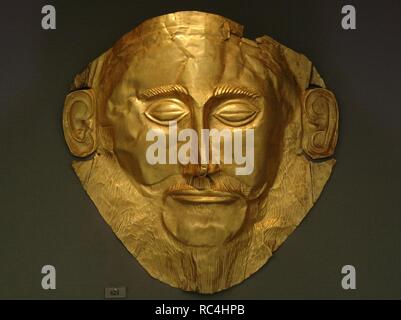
[[79, 122], [320, 123]]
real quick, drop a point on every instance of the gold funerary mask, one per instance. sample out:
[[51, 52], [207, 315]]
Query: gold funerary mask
[[203, 150]]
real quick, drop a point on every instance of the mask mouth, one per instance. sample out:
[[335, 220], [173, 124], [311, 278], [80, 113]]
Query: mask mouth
[[204, 196], [217, 188]]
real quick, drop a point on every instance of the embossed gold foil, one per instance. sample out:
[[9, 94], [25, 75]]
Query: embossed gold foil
[[195, 227]]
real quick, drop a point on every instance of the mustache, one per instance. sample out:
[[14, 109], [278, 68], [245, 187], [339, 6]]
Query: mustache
[[216, 182]]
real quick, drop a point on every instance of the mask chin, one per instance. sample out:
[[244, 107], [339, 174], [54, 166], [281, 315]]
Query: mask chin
[[204, 224]]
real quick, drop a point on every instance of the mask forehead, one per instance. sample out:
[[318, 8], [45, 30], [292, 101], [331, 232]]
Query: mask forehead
[[200, 63], [199, 52]]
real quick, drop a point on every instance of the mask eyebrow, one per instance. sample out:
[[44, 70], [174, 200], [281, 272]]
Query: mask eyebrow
[[230, 90], [163, 91]]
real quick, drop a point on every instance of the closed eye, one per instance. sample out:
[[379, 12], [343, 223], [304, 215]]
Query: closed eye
[[236, 113], [165, 111]]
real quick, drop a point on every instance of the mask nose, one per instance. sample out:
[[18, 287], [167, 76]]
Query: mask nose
[[201, 170]]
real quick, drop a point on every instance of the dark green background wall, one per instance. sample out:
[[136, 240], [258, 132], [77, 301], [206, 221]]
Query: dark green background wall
[[46, 217]]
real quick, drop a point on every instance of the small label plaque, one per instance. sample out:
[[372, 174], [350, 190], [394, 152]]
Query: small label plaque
[[116, 293]]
